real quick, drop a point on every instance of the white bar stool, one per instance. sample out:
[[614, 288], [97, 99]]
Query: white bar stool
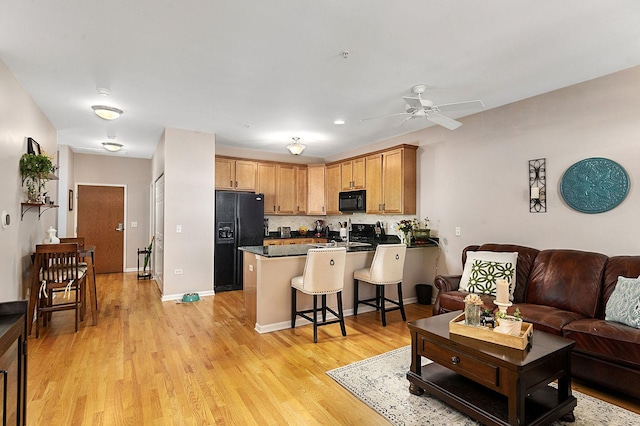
[[386, 268], [323, 274]]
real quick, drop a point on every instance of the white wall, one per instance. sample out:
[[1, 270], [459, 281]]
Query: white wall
[[189, 202], [477, 176], [20, 117]]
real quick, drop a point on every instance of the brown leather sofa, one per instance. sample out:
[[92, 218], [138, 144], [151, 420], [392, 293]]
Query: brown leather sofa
[[565, 292]]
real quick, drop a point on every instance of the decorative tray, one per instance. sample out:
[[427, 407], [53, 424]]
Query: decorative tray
[[457, 326]]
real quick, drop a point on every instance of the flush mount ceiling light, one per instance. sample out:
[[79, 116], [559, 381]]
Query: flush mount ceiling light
[[112, 146], [296, 147], [107, 112]]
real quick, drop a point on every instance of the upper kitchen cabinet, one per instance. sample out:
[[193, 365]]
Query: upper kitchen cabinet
[[353, 174], [391, 181], [238, 175], [316, 189], [301, 190], [333, 188], [278, 184]]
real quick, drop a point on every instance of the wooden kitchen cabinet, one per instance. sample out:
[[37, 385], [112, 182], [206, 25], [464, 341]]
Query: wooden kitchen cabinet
[[391, 181], [316, 189], [301, 190], [267, 186], [333, 188], [286, 189], [237, 175], [353, 174], [278, 183]]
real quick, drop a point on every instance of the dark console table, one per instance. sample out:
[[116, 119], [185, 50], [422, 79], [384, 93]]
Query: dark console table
[[13, 362]]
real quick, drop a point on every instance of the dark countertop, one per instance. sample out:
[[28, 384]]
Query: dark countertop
[[302, 249]]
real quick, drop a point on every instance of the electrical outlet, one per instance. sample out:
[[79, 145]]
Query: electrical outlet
[[177, 271], [457, 231], [250, 268], [134, 224], [178, 229]]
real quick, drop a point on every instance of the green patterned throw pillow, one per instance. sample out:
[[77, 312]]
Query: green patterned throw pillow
[[485, 273], [624, 303]]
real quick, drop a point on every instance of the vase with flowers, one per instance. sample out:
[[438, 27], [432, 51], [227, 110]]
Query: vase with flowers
[[472, 305], [405, 226], [35, 170]]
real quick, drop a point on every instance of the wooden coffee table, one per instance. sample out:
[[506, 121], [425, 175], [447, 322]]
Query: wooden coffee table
[[515, 383]]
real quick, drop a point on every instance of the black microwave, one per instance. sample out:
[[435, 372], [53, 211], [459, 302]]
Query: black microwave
[[352, 201]]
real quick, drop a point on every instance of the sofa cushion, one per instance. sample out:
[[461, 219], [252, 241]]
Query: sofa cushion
[[526, 256], [624, 304], [483, 268], [617, 266], [569, 280], [606, 339], [546, 318]]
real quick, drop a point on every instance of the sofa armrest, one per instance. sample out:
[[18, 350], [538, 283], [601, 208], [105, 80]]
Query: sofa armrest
[[446, 283]]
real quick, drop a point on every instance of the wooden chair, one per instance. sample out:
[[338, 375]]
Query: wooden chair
[[59, 274], [323, 274], [387, 268]]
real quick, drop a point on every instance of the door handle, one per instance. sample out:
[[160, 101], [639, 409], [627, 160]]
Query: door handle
[[120, 227]]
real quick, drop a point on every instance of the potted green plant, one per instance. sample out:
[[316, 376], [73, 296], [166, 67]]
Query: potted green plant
[[35, 170], [509, 324]]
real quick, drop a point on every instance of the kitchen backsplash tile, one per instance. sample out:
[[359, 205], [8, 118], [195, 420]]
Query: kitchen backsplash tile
[[390, 222]]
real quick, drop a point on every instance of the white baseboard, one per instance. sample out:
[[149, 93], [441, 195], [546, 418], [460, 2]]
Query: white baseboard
[[169, 297]]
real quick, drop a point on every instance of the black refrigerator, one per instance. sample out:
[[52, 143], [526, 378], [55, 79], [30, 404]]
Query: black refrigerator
[[239, 222]]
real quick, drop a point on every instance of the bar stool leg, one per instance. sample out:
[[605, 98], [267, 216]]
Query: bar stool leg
[[342, 327], [400, 302], [294, 314], [355, 297], [315, 318], [382, 306], [324, 307]]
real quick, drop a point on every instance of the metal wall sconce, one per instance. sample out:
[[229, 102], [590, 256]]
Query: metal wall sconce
[[538, 185]]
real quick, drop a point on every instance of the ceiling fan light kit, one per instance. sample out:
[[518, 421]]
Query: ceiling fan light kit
[[296, 147], [107, 112]]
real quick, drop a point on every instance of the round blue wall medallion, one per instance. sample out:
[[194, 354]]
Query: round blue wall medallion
[[594, 185]]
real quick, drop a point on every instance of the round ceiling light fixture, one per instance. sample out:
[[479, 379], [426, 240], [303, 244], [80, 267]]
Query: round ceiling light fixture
[[339, 122], [296, 147], [107, 112], [112, 146]]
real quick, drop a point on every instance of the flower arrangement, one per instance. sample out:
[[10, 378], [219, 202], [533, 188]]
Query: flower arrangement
[[502, 315], [473, 299], [35, 169], [406, 225]]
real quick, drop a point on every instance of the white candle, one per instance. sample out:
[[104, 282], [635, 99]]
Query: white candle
[[502, 291], [535, 192]]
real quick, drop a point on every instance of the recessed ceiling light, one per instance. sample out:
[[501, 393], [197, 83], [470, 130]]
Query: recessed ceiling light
[[107, 112], [339, 122], [112, 146]]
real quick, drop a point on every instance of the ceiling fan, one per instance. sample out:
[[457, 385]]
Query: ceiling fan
[[417, 107]]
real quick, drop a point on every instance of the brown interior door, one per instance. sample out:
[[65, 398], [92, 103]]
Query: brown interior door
[[101, 223]]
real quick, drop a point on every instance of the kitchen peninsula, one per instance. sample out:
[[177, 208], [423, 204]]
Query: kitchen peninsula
[[268, 271]]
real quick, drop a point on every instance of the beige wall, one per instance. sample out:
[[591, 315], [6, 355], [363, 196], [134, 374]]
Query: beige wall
[[135, 174], [187, 159], [477, 176], [20, 118]]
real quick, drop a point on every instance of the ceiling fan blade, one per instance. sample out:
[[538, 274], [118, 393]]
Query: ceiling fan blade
[[382, 116], [447, 122], [405, 120], [455, 106], [412, 102]]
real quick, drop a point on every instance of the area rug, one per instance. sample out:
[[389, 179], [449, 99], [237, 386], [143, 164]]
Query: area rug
[[381, 383]]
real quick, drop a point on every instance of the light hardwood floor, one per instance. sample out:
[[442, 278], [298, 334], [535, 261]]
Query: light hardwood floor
[[166, 363]]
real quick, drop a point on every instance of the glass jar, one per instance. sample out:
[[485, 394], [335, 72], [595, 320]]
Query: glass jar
[[472, 314]]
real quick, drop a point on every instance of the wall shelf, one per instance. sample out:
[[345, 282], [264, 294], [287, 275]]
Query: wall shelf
[[25, 207]]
